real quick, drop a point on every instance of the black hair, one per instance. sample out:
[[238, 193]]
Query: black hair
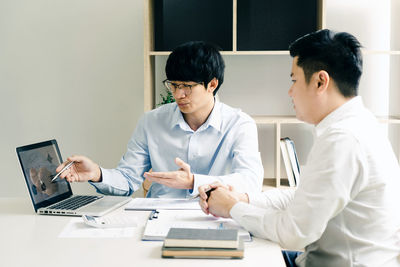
[[338, 54], [196, 61]]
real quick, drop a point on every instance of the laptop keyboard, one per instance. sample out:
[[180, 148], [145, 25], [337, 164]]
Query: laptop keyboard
[[74, 202]]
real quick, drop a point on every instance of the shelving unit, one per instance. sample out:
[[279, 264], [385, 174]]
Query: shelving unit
[[277, 122]]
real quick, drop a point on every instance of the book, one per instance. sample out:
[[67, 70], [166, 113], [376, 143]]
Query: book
[[209, 253], [207, 238], [291, 161]]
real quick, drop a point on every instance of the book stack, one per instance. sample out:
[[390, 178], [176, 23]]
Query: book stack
[[290, 159], [203, 243]]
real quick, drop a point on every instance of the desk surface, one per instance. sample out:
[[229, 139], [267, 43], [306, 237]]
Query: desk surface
[[28, 239]]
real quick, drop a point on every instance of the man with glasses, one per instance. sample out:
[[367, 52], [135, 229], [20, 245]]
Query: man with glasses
[[194, 141]]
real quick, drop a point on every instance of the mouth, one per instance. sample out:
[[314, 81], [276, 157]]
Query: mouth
[[182, 104]]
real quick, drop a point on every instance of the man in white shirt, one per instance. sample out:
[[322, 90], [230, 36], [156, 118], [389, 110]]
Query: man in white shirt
[[194, 141], [345, 211]]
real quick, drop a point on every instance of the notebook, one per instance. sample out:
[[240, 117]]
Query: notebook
[[208, 238], [39, 162]]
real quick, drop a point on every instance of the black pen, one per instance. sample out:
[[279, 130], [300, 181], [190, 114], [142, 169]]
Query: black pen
[[208, 192]]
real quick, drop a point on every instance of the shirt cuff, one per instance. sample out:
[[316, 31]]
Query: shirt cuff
[[104, 185], [241, 209], [199, 180], [256, 199]]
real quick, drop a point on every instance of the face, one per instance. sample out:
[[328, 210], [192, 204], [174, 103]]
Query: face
[[303, 95], [195, 102]]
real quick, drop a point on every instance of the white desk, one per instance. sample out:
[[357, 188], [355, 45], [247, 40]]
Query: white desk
[[27, 239]]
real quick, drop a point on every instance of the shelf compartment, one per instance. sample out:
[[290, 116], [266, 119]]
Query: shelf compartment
[[179, 21], [273, 25]]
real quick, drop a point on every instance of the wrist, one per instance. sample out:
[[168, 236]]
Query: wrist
[[229, 208], [98, 175]]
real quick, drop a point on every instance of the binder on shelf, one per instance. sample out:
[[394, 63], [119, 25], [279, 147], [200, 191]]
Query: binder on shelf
[[290, 160]]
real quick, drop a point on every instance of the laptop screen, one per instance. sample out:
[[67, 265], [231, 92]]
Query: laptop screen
[[39, 162]]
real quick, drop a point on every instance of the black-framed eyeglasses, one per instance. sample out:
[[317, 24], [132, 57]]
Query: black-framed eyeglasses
[[172, 86]]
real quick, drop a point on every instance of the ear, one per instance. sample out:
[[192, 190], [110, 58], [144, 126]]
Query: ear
[[212, 85], [322, 80]]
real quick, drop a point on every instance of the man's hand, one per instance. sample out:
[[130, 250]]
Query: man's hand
[[82, 170], [221, 199], [181, 179]]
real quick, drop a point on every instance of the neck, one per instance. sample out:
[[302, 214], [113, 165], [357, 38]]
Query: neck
[[332, 105], [198, 118]]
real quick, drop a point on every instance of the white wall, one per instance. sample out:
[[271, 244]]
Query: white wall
[[70, 70]]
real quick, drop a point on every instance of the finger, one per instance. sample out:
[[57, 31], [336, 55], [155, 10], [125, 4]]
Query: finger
[[204, 206], [77, 158], [65, 173], [202, 191], [216, 184], [165, 175], [62, 165], [182, 164], [162, 181]]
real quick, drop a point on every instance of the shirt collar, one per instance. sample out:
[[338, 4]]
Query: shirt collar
[[339, 114], [214, 120]]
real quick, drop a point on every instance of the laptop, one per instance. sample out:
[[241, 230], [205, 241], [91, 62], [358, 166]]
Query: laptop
[[39, 162]]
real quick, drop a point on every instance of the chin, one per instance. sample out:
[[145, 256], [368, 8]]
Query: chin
[[185, 109]]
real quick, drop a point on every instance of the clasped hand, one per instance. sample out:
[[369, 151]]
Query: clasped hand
[[221, 199], [181, 179]]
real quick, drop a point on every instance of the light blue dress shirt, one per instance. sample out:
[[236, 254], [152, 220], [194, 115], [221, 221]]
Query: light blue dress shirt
[[224, 148]]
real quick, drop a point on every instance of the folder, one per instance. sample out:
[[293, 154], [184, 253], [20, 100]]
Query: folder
[[290, 160], [160, 221]]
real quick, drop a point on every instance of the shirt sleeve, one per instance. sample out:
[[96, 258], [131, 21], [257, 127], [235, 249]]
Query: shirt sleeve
[[335, 172], [128, 176], [246, 171]]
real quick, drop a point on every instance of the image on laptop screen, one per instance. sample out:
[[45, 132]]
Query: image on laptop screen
[[39, 165]]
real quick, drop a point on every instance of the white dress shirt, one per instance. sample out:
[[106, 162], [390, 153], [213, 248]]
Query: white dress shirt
[[224, 148], [345, 211]]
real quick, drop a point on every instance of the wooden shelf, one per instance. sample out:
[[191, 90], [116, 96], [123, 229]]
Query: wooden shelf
[[263, 119], [389, 119], [380, 52], [233, 53], [275, 119], [276, 53]]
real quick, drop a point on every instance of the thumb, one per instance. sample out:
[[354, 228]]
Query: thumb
[[182, 164]]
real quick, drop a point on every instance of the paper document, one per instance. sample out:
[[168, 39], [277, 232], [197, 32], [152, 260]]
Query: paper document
[[157, 227], [76, 228], [163, 204]]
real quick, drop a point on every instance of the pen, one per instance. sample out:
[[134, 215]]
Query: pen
[[66, 167], [208, 192]]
